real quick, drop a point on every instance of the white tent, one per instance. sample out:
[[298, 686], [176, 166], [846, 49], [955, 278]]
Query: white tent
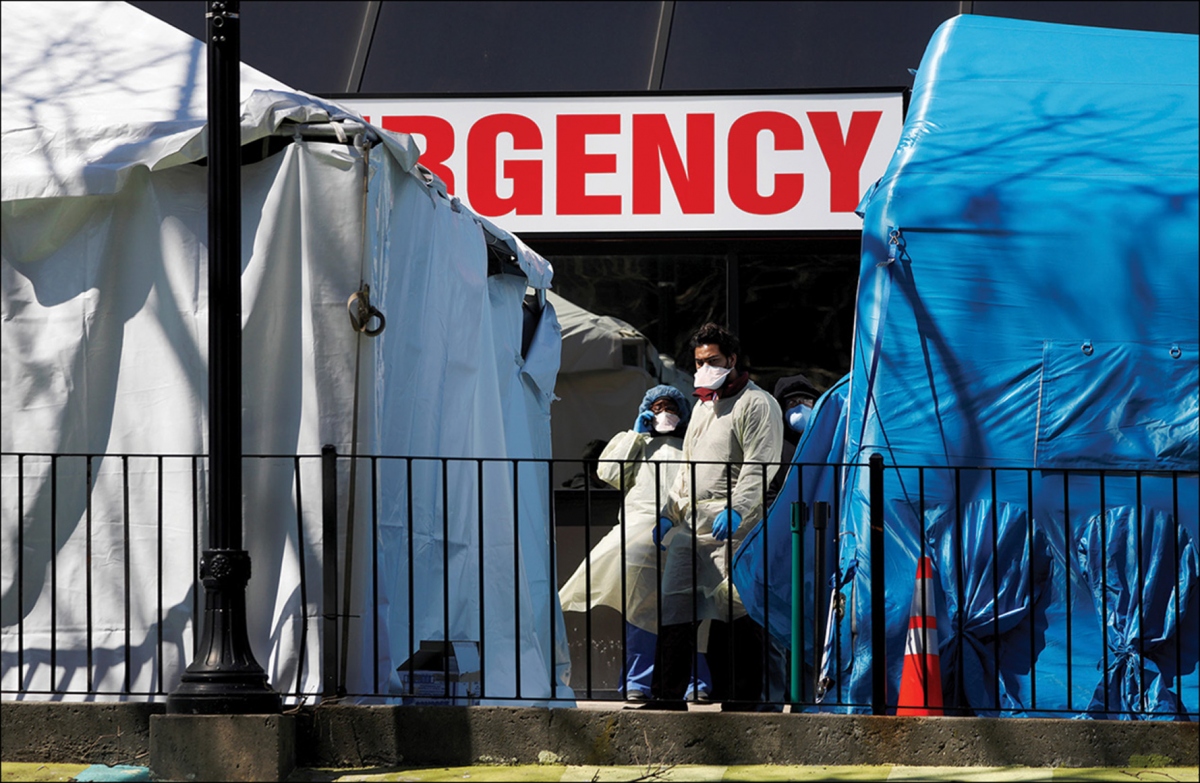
[[104, 308]]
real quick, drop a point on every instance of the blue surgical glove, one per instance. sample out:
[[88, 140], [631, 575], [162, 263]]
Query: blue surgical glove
[[726, 523], [660, 531], [645, 421]]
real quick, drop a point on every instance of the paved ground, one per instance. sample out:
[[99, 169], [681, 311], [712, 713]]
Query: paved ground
[[553, 772]]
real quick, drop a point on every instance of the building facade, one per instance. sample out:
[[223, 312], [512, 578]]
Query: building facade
[[644, 215]]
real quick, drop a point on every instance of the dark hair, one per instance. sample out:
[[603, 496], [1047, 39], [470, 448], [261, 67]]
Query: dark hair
[[714, 334]]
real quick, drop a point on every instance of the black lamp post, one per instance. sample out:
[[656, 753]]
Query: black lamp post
[[224, 678]]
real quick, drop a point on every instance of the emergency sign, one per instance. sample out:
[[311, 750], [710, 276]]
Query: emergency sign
[[654, 163]]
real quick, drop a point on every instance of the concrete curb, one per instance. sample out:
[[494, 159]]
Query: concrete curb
[[76, 732], [365, 736]]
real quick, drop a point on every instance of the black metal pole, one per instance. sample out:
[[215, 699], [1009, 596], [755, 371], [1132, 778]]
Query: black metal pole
[[329, 596], [820, 518], [733, 292], [878, 610], [224, 677]]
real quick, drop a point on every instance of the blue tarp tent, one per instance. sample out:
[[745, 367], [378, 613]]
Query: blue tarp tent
[[763, 564], [1028, 306]]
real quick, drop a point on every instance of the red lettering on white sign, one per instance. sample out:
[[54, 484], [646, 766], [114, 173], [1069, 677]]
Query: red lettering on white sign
[[696, 163], [743, 163], [575, 163], [526, 175], [844, 157], [439, 142], [693, 184]]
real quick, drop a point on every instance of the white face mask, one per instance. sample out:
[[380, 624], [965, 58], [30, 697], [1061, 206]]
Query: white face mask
[[665, 422], [709, 377], [797, 418]]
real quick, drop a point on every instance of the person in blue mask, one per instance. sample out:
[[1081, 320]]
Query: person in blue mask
[[796, 397]]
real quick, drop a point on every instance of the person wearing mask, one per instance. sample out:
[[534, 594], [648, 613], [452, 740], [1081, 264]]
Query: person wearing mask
[[796, 397], [731, 452], [643, 462]]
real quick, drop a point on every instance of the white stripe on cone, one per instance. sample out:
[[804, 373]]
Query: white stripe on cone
[[921, 680]]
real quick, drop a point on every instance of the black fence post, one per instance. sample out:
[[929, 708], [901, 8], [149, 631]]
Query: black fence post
[[878, 614], [799, 510], [820, 517], [330, 682]]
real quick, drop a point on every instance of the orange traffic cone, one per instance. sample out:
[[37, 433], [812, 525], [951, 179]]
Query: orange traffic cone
[[921, 680]]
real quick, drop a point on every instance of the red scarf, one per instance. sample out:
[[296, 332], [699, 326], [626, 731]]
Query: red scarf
[[733, 384]]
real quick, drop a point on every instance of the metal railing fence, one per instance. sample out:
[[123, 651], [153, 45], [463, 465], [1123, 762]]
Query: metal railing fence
[[100, 581]]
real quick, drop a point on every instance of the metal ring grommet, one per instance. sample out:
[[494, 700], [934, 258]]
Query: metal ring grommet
[[1176, 352], [1087, 348], [372, 313], [362, 312]]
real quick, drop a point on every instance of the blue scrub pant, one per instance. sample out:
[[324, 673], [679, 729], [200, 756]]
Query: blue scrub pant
[[639, 663]]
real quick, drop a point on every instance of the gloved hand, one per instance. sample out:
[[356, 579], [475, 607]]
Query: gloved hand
[[660, 531], [644, 422], [726, 523]]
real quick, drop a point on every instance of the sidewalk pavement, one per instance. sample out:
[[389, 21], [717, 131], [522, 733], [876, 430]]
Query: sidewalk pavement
[[649, 772]]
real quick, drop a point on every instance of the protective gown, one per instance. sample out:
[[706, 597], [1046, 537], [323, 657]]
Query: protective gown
[[641, 458], [743, 435]]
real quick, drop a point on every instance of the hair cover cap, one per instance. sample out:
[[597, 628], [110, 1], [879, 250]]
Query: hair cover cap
[[794, 385], [665, 390]]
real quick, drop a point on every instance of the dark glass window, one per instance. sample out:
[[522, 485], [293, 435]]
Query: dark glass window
[[798, 45], [186, 15], [1168, 17], [793, 306], [663, 296], [463, 47], [307, 46], [479, 47], [796, 313]]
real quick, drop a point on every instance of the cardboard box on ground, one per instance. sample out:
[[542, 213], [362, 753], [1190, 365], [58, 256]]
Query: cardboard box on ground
[[441, 672]]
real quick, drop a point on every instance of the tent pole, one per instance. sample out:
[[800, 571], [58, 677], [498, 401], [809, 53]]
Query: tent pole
[[224, 677]]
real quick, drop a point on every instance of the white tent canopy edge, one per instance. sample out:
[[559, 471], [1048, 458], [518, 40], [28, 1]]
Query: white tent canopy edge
[[104, 232]]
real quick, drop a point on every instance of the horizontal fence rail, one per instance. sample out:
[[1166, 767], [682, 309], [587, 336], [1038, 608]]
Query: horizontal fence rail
[[438, 580]]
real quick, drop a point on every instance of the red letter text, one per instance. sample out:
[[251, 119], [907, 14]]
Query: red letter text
[[743, 163], [652, 141], [526, 175], [439, 139], [844, 158], [574, 164]]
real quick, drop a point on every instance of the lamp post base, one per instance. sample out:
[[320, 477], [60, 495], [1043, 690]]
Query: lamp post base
[[224, 678], [224, 696]]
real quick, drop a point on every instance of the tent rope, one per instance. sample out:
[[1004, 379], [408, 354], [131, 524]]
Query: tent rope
[[362, 313]]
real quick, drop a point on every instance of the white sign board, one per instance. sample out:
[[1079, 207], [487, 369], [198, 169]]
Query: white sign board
[[653, 163]]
